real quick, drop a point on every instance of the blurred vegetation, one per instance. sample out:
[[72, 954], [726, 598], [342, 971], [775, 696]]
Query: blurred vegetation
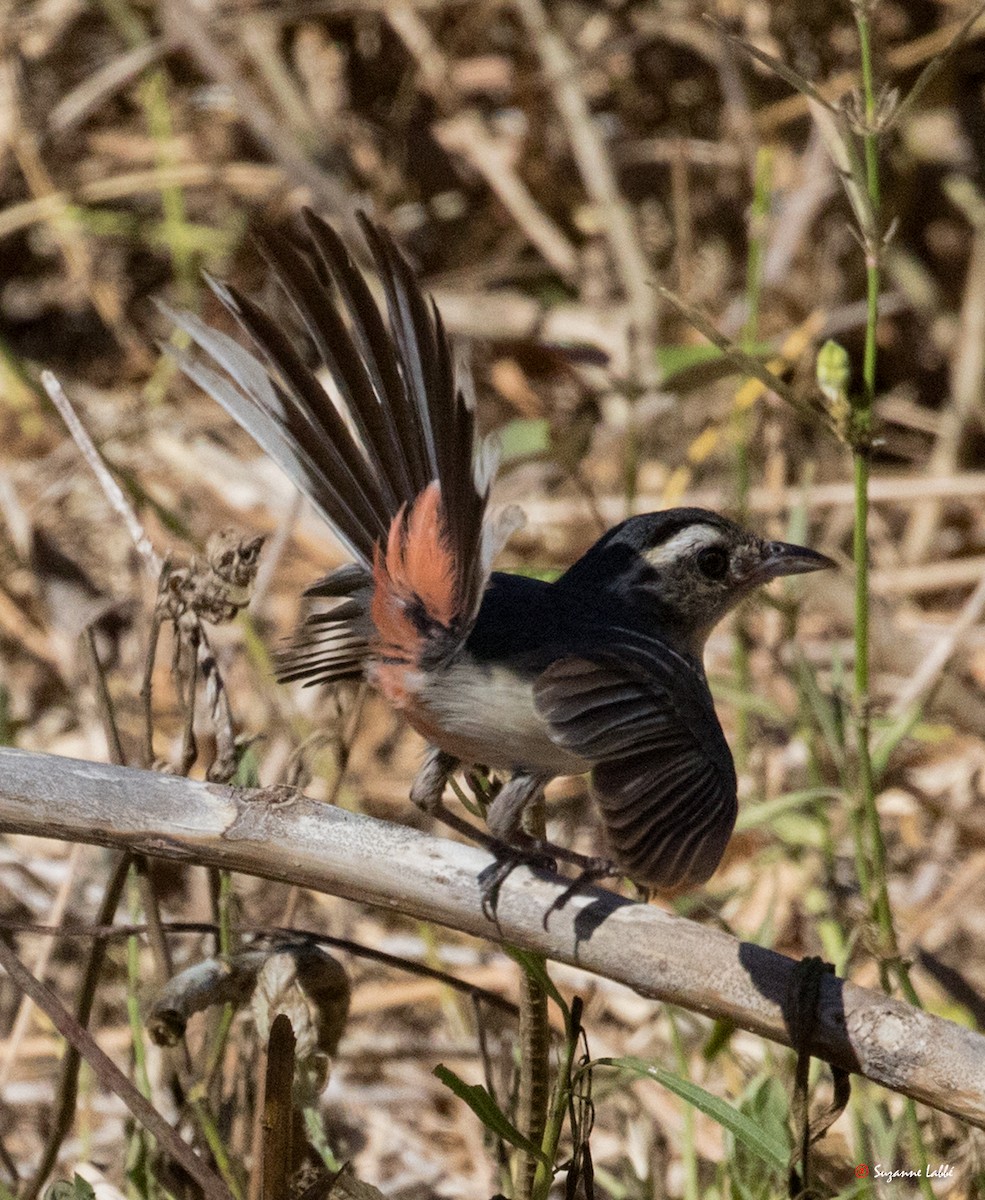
[[550, 167]]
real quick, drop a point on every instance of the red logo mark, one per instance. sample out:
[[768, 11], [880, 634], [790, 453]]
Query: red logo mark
[[861, 1171]]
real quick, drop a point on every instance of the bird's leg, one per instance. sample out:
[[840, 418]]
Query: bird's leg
[[505, 815], [428, 789], [506, 840], [505, 821], [427, 793]]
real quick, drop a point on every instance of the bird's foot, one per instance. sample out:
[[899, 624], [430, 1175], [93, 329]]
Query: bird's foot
[[508, 858], [593, 870]]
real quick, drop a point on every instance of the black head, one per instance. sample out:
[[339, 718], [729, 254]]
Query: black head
[[684, 568]]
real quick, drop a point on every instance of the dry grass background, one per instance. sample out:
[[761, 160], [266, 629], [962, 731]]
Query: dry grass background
[[541, 201]]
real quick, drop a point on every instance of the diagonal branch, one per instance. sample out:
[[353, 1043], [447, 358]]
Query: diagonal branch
[[110, 1074], [659, 955]]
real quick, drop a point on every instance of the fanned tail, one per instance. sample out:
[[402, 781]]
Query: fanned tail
[[406, 424]]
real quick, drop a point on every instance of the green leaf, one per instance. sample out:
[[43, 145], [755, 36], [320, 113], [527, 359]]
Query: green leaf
[[765, 1103], [247, 768], [768, 1147], [524, 438], [754, 815], [78, 1189], [536, 968], [725, 688], [671, 359], [488, 1112], [686, 367]]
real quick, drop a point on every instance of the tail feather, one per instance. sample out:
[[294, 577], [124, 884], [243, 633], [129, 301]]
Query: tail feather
[[410, 425], [262, 412], [376, 352], [416, 350], [311, 413], [380, 441]]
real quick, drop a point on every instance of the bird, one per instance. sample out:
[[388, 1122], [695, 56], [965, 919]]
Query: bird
[[597, 672]]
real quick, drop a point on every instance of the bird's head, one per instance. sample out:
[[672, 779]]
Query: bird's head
[[686, 567]]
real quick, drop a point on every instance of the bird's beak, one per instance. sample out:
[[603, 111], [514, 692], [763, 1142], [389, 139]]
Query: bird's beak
[[784, 558]]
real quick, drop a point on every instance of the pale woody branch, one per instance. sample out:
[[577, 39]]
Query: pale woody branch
[[285, 836]]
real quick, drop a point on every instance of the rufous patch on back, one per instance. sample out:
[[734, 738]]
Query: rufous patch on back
[[416, 571]]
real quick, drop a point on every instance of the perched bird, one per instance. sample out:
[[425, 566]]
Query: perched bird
[[598, 672]]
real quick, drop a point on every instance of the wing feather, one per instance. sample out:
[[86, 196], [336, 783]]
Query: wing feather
[[663, 776]]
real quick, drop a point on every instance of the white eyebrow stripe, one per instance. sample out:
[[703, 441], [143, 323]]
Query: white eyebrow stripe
[[684, 543]]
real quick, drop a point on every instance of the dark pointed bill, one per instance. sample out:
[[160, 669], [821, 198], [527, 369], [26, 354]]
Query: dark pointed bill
[[784, 558]]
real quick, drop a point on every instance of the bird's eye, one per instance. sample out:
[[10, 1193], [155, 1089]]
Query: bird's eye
[[713, 562]]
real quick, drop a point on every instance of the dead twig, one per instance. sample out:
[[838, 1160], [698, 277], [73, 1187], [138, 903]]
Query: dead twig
[[561, 72], [936, 659], [111, 489], [465, 134], [214, 592], [110, 1075], [184, 24], [967, 388], [66, 1091]]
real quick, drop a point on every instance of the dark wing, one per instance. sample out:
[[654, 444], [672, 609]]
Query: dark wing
[[663, 777]]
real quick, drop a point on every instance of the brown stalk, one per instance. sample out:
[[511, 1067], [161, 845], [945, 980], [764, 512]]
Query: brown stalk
[[112, 1078]]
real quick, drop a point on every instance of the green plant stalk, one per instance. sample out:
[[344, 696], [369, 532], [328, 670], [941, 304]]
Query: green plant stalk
[[861, 1134], [533, 1093], [881, 907], [153, 92], [544, 1176], [142, 1144], [315, 1130], [198, 1094], [689, 1153], [741, 421], [224, 905], [919, 1149], [631, 460], [534, 1089], [877, 892], [217, 1147], [454, 1006]]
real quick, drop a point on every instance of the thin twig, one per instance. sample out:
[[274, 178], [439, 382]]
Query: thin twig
[[110, 1075], [66, 1090], [111, 489], [937, 658], [562, 73], [104, 701], [39, 967], [967, 388], [216, 696], [745, 364], [251, 181], [146, 689], [464, 132], [184, 22]]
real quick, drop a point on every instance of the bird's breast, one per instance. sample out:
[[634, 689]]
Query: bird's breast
[[484, 713]]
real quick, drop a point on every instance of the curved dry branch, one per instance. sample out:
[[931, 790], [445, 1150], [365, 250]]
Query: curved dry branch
[[286, 836]]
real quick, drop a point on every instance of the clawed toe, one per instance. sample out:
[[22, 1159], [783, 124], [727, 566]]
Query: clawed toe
[[508, 858], [593, 870]]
